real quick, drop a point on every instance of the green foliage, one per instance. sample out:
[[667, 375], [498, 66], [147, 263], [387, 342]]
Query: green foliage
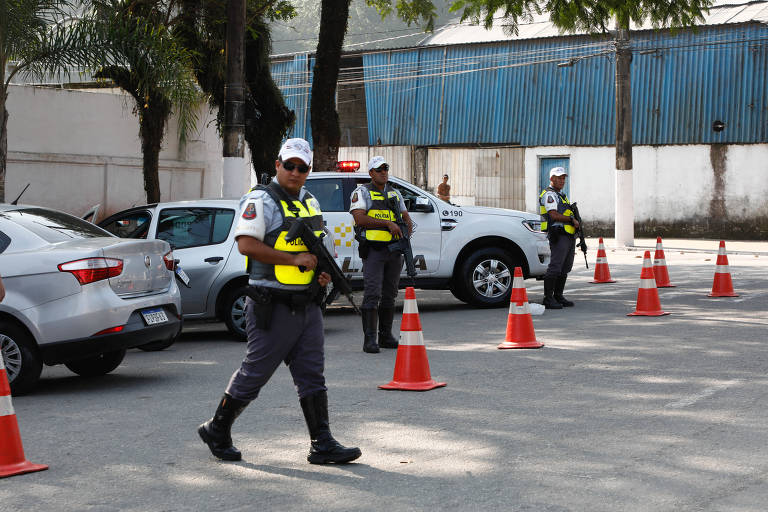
[[409, 11], [145, 59], [587, 15], [202, 28]]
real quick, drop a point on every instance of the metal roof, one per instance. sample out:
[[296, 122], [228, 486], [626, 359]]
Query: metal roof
[[722, 12]]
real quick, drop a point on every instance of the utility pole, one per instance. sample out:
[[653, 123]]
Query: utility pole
[[624, 224], [235, 175]]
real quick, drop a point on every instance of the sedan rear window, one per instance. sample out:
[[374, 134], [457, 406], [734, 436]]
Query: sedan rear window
[[53, 226]]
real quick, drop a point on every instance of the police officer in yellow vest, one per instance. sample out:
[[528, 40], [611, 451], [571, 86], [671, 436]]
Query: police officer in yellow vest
[[374, 230], [282, 318], [558, 222]]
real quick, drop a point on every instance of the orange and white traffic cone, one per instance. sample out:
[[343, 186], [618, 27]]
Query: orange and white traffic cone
[[602, 272], [647, 295], [660, 267], [12, 460], [520, 333], [722, 285], [411, 364]]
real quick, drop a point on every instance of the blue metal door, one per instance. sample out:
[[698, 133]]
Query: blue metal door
[[546, 164]]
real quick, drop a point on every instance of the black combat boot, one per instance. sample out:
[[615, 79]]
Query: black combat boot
[[370, 319], [325, 449], [386, 340], [559, 287], [217, 432], [549, 301]]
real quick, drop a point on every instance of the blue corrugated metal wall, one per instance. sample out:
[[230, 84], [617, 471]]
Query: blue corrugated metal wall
[[294, 78], [494, 93]]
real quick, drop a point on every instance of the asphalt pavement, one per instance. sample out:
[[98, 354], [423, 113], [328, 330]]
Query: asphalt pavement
[[613, 413]]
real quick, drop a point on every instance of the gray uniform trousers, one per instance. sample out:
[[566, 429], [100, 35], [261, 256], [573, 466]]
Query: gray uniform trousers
[[381, 278], [561, 259], [295, 337]]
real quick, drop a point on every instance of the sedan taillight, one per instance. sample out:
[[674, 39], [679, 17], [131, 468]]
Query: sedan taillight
[[89, 270], [168, 259]]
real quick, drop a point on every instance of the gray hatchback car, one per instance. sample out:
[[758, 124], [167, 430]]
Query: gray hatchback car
[[202, 235], [79, 296]]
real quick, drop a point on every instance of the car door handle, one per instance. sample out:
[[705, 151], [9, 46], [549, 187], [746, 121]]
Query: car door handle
[[213, 259]]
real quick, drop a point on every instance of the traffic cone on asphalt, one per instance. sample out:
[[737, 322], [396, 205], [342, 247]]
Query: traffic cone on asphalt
[[520, 333], [660, 267], [411, 364], [647, 295], [602, 272], [12, 460], [722, 285]]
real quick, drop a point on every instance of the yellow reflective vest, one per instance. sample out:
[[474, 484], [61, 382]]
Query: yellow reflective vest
[[380, 209], [291, 209], [563, 207]]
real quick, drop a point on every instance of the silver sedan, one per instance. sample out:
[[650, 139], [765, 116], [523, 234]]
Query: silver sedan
[[77, 295]]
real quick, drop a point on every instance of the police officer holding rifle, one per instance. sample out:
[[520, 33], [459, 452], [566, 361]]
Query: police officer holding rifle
[[283, 318], [376, 228]]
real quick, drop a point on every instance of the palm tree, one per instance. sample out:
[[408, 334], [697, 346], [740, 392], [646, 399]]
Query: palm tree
[[145, 59], [39, 38]]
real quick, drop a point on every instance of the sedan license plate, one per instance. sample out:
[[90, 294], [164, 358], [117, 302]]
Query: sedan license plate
[[154, 316], [183, 277]]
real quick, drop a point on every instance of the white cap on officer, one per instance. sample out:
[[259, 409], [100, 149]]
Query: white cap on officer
[[376, 162], [296, 148], [558, 171]]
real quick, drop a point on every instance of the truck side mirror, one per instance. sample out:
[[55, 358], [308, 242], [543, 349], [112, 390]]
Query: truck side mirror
[[422, 205]]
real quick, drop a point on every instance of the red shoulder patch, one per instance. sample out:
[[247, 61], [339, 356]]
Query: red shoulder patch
[[550, 199], [250, 212], [354, 197]]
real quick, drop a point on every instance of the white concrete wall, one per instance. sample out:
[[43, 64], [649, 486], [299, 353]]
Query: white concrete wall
[[670, 182], [79, 148]]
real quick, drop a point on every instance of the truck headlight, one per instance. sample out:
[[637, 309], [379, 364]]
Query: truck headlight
[[533, 225]]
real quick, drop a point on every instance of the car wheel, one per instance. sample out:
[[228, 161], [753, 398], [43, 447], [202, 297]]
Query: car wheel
[[486, 277], [94, 366], [23, 363], [233, 310]]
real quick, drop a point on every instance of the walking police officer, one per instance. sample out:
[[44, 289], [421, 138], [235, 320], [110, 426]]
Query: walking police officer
[[372, 209], [282, 313], [558, 222]]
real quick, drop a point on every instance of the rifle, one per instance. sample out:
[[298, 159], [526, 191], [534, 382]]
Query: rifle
[[402, 244], [325, 262], [580, 232]]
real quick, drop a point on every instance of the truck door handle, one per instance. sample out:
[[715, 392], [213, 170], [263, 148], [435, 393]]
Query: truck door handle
[[213, 259]]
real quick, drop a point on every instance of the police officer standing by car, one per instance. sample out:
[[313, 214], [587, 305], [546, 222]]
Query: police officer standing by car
[[283, 317], [375, 228], [558, 222]]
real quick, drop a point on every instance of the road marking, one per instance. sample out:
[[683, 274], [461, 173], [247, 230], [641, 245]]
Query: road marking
[[705, 393]]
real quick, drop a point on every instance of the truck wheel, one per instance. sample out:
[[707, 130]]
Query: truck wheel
[[98, 365], [23, 364], [233, 310], [486, 277]]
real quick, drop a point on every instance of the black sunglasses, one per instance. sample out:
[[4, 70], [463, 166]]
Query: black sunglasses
[[289, 166], [382, 168]]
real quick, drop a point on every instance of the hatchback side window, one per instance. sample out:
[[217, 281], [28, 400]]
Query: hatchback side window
[[130, 225], [222, 224], [328, 192]]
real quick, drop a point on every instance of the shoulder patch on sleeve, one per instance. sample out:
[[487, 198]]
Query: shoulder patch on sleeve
[[354, 197], [550, 199], [249, 212]]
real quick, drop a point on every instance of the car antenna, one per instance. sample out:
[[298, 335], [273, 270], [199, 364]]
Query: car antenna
[[16, 201]]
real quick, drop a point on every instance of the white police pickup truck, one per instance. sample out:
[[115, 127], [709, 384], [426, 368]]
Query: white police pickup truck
[[470, 250]]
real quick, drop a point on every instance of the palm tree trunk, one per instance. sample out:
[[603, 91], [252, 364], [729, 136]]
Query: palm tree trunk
[[326, 134], [151, 128]]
